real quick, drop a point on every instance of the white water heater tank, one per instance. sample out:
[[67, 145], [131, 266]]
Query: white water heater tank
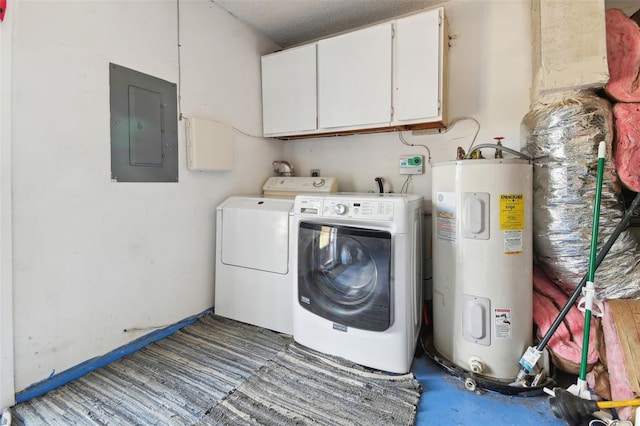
[[482, 264]]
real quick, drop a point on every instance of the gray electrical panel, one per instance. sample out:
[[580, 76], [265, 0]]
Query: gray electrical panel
[[144, 127]]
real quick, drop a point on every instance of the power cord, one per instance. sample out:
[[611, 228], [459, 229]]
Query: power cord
[[405, 185], [453, 122], [234, 128], [404, 141], [180, 115], [179, 64]]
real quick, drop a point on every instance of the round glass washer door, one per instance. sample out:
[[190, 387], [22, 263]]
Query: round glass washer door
[[344, 274]]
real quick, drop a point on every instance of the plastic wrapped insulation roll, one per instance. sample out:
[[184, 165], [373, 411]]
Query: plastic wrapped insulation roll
[[562, 138]]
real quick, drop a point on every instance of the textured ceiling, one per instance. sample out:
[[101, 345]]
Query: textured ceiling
[[290, 22]]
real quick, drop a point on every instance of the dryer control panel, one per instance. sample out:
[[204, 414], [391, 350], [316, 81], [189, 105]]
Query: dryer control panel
[[292, 185]]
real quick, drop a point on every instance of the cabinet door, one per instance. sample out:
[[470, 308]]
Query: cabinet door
[[354, 78], [418, 67], [289, 91]]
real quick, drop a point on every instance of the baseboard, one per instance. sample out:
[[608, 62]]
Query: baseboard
[[92, 364]]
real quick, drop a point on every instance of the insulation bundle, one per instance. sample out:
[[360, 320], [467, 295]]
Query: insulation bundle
[[562, 137], [623, 57], [565, 345], [627, 147]]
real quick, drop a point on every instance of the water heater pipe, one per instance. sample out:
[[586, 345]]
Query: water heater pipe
[[497, 147]]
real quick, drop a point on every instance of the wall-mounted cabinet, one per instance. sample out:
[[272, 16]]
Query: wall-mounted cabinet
[[289, 104], [380, 78], [419, 47], [354, 75]]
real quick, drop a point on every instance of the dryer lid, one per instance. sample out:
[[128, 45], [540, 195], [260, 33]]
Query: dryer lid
[[255, 233]]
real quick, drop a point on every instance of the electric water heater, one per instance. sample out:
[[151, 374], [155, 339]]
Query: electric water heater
[[482, 264]]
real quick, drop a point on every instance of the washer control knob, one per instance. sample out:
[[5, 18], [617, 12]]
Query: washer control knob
[[340, 209], [319, 183]]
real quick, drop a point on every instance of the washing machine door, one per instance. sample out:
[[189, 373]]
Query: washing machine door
[[344, 275]]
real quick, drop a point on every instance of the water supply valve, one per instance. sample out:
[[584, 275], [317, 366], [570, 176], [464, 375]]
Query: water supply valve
[[499, 143]]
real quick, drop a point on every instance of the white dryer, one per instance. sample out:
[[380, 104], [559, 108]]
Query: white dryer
[[253, 281], [358, 263]]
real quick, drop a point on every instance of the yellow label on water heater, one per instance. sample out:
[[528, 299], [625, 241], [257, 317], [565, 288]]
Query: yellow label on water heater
[[511, 212]]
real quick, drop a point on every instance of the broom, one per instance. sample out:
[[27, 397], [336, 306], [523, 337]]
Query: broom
[[580, 388], [574, 410]]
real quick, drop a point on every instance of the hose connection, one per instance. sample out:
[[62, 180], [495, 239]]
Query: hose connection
[[476, 364], [470, 384]]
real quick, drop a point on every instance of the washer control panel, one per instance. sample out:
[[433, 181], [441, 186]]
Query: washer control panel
[[346, 208], [358, 209], [312, 206]]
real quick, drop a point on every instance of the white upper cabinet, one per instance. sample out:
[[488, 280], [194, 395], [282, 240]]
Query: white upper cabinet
[[383, 77], [419, 67], [354, 78], [289, 91]]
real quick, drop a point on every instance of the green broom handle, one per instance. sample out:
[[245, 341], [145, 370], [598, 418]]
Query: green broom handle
[[592, 260], [596, 214]]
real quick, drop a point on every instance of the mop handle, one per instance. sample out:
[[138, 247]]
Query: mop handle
[[589, 295], [596, 214], [626, 219]]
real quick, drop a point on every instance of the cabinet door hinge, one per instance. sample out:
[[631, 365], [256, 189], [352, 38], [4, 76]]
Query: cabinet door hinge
[[392, 113]]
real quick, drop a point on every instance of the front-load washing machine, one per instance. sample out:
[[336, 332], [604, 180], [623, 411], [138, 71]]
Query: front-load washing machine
[[253, 280], [358, 263]]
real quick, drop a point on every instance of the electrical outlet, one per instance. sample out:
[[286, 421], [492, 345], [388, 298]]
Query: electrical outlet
[[315, 173], [411, 165]]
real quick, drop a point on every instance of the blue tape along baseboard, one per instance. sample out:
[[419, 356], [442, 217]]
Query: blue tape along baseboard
[[92, 364]]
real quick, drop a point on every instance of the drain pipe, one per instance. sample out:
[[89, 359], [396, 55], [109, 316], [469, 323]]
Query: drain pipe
[[380, 184]]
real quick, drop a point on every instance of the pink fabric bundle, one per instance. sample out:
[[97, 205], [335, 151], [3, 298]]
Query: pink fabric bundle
[[565, 345]]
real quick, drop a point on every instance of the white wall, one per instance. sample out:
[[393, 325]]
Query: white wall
[[93, 257], [6, 269], [489, 80]]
